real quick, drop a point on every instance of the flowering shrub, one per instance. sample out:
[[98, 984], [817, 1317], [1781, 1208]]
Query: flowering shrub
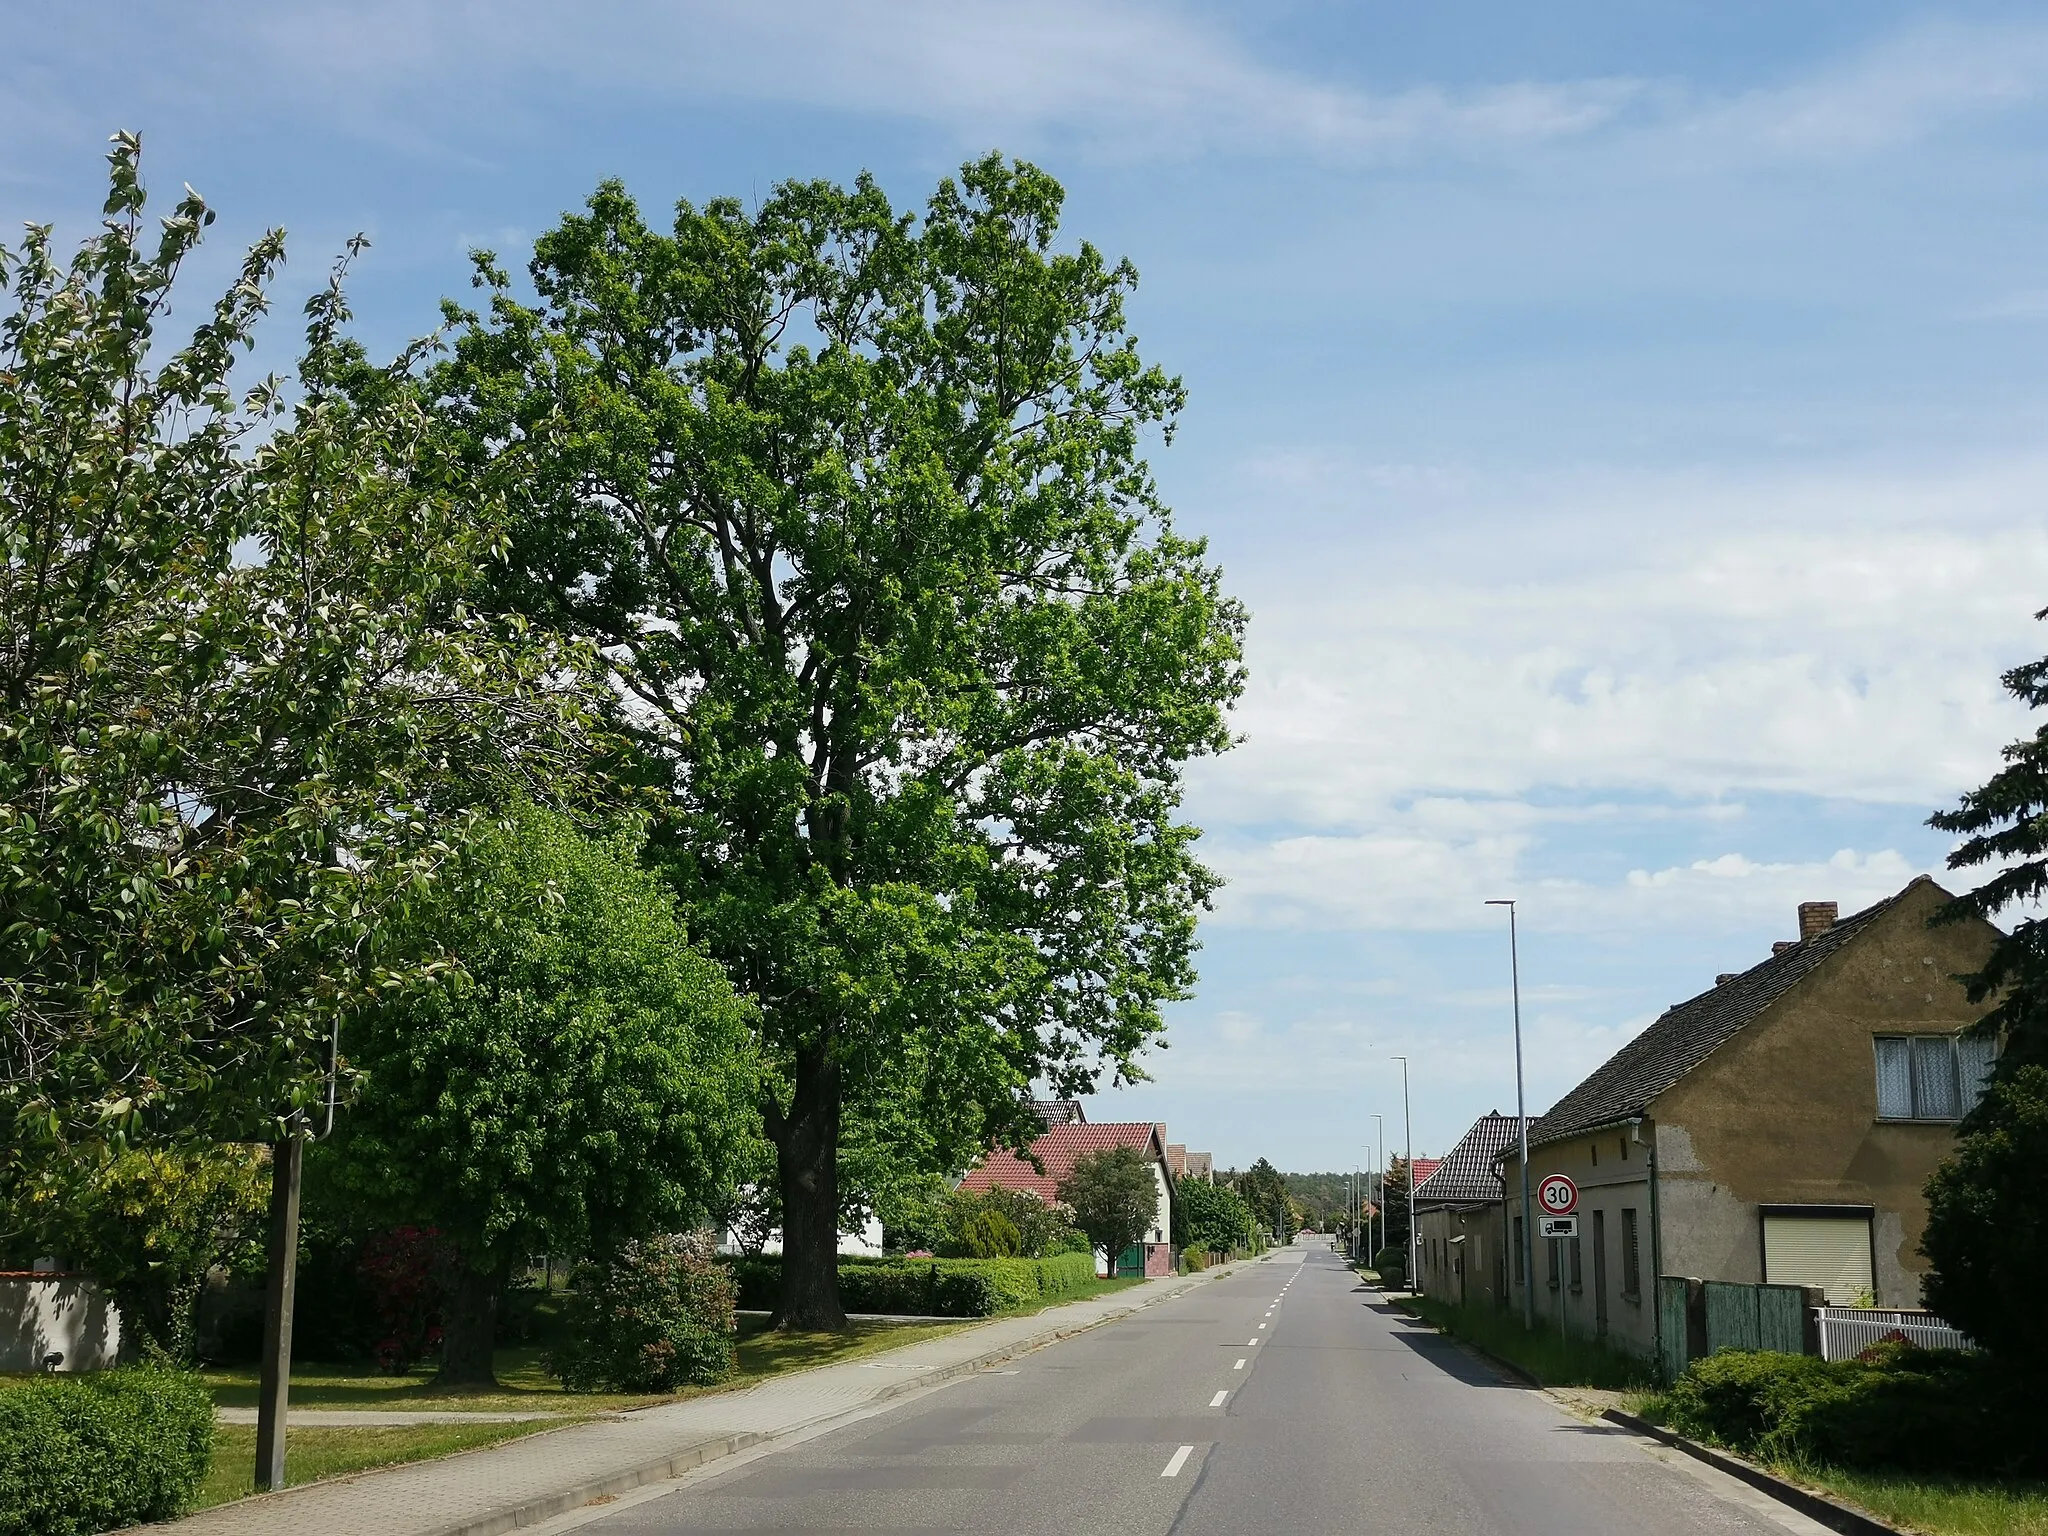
[[658, 1317], [403, 1270]]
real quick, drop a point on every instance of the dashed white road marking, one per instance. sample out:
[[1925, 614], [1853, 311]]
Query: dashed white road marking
[[1250, 1342], [1217, 1400], [1239, 1366], [1262, 1325], [1180, 1459]]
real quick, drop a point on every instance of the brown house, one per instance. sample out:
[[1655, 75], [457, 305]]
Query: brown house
[[1461, 1246], [1778, 1128]]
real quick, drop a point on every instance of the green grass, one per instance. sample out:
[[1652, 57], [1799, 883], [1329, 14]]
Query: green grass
[[524, 1387], [311, 1454], [1945, 1506], [1554, 1361]]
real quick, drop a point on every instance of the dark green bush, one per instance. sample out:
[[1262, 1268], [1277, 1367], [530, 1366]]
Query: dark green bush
[[1897, 1407], [94, 1453], [658, 1317], [927, 1287]]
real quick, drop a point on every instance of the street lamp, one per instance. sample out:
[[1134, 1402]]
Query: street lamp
[[1528, 1245], [1408, 1125]]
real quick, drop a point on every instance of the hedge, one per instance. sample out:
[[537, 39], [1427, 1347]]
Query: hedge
[[93, 1453], [1895, 1407], [928, 1287]]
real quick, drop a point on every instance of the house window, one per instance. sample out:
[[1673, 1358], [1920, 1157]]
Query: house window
[[1552, 1245], [1931, 1077], [1521, 1255], [1578, 1267], [1631, 1256], [1596, 1154], [1624, 1149]]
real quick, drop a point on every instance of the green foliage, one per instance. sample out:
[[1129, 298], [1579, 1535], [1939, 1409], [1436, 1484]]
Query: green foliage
[[94, 1453], [1987, 1222], [148, 1225], [583, 1080], [1211, 1218], [852, 504], [1264, 1189], [1896, 1407], [220, 777], [659, 1317], [1114, 1195], [991, 1235], [929, 1287]]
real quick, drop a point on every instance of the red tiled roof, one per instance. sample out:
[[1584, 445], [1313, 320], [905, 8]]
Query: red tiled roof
[[1425, 1166], [1059, 1149]]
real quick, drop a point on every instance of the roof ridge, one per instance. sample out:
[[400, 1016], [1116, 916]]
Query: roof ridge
[[1688, 1032]]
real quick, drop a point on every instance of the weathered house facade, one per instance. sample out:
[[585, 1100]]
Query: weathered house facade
[[1461, 1245], [1778, 1128]]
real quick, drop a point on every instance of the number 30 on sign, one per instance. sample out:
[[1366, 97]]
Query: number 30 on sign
[[1558, 1195]]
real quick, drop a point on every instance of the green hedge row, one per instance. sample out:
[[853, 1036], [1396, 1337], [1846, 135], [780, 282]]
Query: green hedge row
[[92, 1453], [1897, 1407], [928, 1287]]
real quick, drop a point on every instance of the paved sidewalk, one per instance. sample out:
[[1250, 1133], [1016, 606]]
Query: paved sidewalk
[[487, 1492]]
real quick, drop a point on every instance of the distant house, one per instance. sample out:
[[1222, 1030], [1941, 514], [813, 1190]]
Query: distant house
[[1461, 1247], [1780, 1127], [1064, 1145], [1202, 1165], [1060, 1111]]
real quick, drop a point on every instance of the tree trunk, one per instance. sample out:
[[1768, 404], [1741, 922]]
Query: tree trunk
[[807, 1166], [472, 1325]]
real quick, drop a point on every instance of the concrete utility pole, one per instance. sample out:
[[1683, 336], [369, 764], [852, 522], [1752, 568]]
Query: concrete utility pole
[[1408, 1130], [1527, 1257]]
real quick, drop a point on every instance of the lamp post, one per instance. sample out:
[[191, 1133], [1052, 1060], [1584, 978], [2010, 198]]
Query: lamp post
[[1528, 1244], [1408, 1128]]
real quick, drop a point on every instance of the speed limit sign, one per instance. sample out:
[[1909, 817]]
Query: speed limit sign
[[1558, 1195]]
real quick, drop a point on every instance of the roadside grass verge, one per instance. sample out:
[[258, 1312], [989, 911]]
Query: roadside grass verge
[[525, 1387], [311, 1454], [1569, 1361], [1943, 1506]]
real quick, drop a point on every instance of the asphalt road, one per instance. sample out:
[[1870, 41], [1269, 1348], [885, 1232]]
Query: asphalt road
[[1283, 1396]]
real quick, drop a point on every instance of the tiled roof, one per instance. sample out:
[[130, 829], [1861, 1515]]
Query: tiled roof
[[1424, 1167], [1060, 1111], [1467, 1175], [1688, 1033], [1202, 1165], [1059, 1149], [1176, 1160]]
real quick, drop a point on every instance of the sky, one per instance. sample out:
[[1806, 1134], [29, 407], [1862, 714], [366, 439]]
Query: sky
[[1622, 421]]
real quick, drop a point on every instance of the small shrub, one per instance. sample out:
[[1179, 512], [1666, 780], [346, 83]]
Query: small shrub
[[657, 1318], [1896, 1407], [93, 1453], [991, 1235], [404, 1271]]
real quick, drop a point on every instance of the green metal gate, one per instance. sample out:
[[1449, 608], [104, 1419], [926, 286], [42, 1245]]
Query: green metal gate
[[1671, 1324]]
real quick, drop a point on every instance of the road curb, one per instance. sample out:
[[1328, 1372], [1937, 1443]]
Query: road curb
[[1815, 1506], [673, 1464]]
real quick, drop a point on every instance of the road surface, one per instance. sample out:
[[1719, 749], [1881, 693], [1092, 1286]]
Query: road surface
[[1284, 1396]]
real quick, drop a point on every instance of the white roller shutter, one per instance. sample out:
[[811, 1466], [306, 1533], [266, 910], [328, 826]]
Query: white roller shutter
[[1832, 1252]]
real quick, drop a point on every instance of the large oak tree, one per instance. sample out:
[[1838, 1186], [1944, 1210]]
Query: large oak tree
[[853, 502]]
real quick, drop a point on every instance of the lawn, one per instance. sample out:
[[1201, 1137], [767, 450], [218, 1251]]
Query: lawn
[[311, 1454], [524, 1387], [1554, 1361], [1941, 1505]]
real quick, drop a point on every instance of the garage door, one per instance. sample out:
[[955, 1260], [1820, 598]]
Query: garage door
[[1832, 1252]]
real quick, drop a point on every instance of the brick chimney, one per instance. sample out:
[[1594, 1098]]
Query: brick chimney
[[1781, 946], [1816, 917], [1725, 977]]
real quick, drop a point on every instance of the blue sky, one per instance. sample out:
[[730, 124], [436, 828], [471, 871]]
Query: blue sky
[[1623, 421]]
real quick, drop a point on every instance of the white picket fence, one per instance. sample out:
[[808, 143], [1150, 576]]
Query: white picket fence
[[1846, 1332]]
